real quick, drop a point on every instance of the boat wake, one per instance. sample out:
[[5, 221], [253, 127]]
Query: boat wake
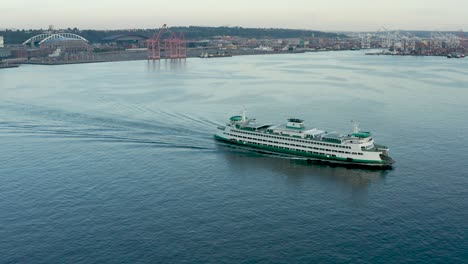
[[155, 128]]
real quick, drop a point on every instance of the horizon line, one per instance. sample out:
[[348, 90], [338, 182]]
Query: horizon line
[[228, 26]]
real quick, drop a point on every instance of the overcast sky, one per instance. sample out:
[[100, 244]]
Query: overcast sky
[[327, 15]]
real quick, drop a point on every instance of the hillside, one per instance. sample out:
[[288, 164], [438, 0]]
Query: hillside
[[191, 32]]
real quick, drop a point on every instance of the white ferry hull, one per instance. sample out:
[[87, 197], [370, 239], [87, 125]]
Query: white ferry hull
[[310, 149]]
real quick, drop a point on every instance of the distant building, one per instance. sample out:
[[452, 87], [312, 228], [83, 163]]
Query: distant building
[[126, 41], [49, 42], [231, 46], [68, 45], [4, 53], [19, 53], [464, 43]]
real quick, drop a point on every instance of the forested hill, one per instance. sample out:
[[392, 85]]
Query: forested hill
[[192, 32]]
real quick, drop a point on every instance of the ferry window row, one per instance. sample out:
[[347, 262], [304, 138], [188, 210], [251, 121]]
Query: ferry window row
[[293, 149], [276, 142], [292, 139]]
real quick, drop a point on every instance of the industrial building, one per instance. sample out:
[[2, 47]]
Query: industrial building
[[4, 53], [126, 41], [44, 44], [68, 45]]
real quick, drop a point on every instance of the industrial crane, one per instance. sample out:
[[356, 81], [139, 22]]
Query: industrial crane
[[154, 44], [175, 47]]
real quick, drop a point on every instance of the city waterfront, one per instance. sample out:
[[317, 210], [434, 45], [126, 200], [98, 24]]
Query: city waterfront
[[116, 161]]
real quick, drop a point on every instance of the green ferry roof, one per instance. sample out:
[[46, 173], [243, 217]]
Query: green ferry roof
[[362, 134], [236, 118]]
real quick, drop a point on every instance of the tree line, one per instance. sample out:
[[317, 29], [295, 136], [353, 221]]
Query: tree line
[[191, 32]]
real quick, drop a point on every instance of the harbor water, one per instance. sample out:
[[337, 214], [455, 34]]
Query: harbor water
[[116, 162]]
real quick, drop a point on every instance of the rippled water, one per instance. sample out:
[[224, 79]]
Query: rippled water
[[116, 162]]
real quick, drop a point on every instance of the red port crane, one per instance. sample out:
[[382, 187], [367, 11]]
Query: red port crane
[[182, 51], [175, 47], [154, 44]]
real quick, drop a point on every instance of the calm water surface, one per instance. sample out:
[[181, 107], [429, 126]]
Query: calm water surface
[[116, 162]]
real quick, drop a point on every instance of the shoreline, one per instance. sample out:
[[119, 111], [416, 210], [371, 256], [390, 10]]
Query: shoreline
[[131, 55], [142, 55], [8, 66], [405, 55]]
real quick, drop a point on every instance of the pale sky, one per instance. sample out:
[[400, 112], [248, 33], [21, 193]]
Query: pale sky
[[326, 15]]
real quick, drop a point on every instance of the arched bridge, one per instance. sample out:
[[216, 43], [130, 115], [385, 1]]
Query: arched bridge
[[41, 38]]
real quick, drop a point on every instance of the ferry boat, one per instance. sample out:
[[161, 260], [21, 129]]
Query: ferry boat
[[293, 138]]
